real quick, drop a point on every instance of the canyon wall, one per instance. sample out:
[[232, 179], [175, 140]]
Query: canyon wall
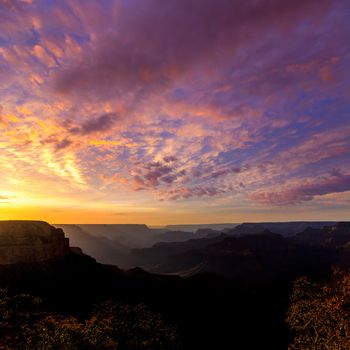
[[31, 241]]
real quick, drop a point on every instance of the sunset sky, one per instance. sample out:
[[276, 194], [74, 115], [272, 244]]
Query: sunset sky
[[174, 111]]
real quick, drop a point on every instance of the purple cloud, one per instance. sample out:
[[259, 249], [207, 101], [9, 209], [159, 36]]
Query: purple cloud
[[163, 41], [169, 159], [306, 191], [177, 99], [222, 172], [63, 144], [192, 192], [100, 124]]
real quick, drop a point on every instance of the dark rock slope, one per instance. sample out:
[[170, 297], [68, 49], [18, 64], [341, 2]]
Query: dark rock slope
[[30, 242]]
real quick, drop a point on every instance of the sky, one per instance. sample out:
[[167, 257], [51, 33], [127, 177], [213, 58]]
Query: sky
[[174, 111]]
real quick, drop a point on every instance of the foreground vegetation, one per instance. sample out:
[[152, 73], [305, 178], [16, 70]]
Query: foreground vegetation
[[319, 315], [318, 319], [25, 326]]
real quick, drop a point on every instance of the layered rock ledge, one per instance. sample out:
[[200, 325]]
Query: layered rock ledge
[[31, 241]]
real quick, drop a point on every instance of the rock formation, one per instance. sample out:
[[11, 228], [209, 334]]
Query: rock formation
[[31, 241]]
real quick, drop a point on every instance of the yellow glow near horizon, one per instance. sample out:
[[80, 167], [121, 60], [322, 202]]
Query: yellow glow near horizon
[[103, 214], [93, 130]]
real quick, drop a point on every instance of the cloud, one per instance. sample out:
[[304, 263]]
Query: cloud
[[191, 192], [169, 159], [306, 191], [100, 124], [222, 172], [63, 144], [154, 174], [57, 142], [152, 43], [178, 99]]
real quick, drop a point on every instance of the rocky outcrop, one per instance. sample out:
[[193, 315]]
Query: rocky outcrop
[[31, 241]]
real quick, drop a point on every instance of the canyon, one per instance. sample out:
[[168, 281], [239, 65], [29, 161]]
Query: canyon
[[31, 241]]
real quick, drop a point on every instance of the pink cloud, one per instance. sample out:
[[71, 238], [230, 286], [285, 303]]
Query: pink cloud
[[180, 98], [191, 192], [305, 191], [162, 41]]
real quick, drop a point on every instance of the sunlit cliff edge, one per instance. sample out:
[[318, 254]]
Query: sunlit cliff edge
[[31, 241]]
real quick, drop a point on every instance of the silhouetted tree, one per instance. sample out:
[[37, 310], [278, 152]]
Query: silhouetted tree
[[130, 327], [16, 313], [319, 315], [112, 326]]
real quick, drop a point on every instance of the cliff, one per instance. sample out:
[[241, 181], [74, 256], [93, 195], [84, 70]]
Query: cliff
[[31, 241]]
